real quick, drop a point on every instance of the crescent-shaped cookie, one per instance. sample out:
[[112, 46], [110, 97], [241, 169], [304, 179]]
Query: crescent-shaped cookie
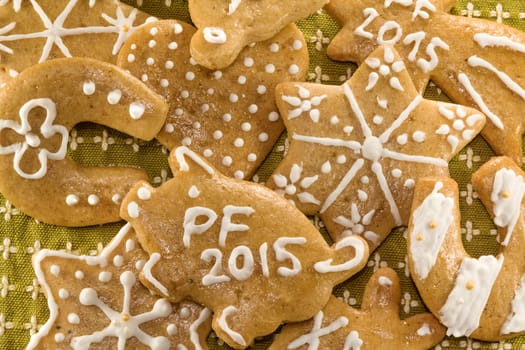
[[39, 107]]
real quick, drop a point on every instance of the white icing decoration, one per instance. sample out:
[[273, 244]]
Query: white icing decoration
[[355, 225], [72, 199], [312, 338], [263, 254], [385, 281], [133, 210], [232, 7], [424, 330], [353, 342], [507, 194], [104, 276], [285, 187], [370, 14], [114, 96], [136, 110], [194, 335], [54, 32], [55, 270], [223, 324], [63, 293], [214, 35], [304, 103], [281, 254], [465, 303], [73, 318], [59, 337], [350, 241], [426, 240], [247, 268], [515, 321], [79, 275], [228, 226], [88, 88], [190, 225], [194, 192], [384, 70], [146, 271], [93, 199], [32, 141], [144, 193], [182, 152]]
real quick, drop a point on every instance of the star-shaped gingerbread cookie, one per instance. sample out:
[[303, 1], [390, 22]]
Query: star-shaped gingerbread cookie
[[476, 62], [375, 326], [357, 149], [236, 247], [229, 116], [226, 27], [34, 31], [98, 302], [483, 297]]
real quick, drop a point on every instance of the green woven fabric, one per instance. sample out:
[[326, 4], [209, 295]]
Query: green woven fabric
[[23, 308]]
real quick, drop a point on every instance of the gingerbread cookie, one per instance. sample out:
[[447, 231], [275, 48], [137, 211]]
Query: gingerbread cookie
[[237, 248], [356, 150], [226, 27], [39, 107], [483, 297], [228, 116], [35, 31], [98, 302], [375, 326], [475, 62]]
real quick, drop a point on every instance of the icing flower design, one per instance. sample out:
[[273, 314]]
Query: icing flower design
[[33, 142], [355, 225], [304, 103], [461, 122], [384, 69], [290, 187]]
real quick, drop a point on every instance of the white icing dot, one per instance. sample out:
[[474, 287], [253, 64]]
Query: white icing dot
[[104, 276], [227, 161], [171, 329], [207, 153], [253, 108], [341, 159], [154, 31], [263, 137], [217, 134], [116, 198], [239, 175], [214, 35], [177, 28], [139, 265], [261, 89], [326, 167], [270, 68], [72, 200], [348, 129], [365, 180], [55, 270], [133, 46], [79, 275], [150, 61], [274, 47], [377, 119], [273, 116], [458, 125], [239, 142], [402, 139], [252, 157], [334, 120], [234, 98], [144, 77], [118, 260], [205, 108], [152, 44], [241, 79], [246, 126], [418, 136], [164, 83], [410, 183], [88, 88], [227, 117], [397, 173], [114, 96], [210, 91], [248, 62], [173, 45], [197, 125], [194, 192], [131, 58], [133, 210], [190, 76], [93, 199], [217, 74], [169, 64], [73, 318], [179, 111], [59, 337], [63, 294], [186, 141], [184, 313], [130, 245], [136, 110], [185, 94], [192, 61], [293, 69], [362, 195], [297, 44]]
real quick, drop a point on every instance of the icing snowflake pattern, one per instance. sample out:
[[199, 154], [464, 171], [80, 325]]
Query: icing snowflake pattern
[[290, 187], [32, 141], [304, 103], [355, 225], [54, 31], [123, 325], [385, 69]]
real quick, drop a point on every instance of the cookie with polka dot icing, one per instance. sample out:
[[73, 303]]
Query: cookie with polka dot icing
[[376, 325], [480, 297], [226, 27], [476, 62], [98, 302], [236, 247], [35, 31], [357, 149], [228, 115], [39, 107]]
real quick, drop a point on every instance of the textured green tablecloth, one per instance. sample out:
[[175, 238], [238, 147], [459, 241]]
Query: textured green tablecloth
[[23, 308]]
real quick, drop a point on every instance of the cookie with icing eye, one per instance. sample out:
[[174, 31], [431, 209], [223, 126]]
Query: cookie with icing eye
[[35, 31], [476, 62], [236, 247], [226, 27], [39, 107], [357, 149], [98, 302], [482, 297], [375, 326], [229, 116]]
